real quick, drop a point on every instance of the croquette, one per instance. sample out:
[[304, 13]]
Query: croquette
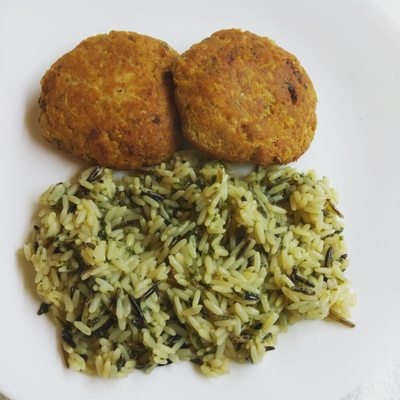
[[110, 101], [242, 98]]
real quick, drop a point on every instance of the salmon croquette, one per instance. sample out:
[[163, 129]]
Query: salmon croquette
[[242, 98], [110, 101]]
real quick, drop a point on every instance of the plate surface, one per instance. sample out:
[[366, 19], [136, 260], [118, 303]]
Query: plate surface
[[352, 53]]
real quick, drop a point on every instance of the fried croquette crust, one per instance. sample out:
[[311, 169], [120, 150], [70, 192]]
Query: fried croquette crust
[[242, 98], [110, 101]]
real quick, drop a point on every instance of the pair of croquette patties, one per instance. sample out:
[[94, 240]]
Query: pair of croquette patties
[[123, 100]]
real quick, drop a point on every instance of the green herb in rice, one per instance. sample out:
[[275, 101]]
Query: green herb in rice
[[185, 261]]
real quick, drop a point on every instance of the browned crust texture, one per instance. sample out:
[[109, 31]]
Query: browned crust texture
[[242, 98], [110, 101]]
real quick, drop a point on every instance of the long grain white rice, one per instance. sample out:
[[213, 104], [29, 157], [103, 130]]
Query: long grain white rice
[[184, 261]]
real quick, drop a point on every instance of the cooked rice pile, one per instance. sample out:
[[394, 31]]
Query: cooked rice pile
[[184, 261]]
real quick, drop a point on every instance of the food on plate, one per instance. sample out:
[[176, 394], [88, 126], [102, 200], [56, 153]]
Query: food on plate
[[109, 101], [186, 260], [242, 98]]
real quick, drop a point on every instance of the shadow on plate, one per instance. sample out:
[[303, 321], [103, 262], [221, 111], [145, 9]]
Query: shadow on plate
[[28, 274]]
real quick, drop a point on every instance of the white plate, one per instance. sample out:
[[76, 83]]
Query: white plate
[[352, 53]]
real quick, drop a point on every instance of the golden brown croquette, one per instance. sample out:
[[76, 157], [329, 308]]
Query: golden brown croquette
[[110, 101], [242, 98]]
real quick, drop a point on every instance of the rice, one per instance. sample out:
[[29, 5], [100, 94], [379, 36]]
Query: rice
[[186, 261]]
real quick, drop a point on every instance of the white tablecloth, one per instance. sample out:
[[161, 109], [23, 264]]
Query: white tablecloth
[[385, 383]]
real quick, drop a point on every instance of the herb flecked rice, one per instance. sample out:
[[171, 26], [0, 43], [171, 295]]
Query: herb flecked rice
[[184, 261]]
